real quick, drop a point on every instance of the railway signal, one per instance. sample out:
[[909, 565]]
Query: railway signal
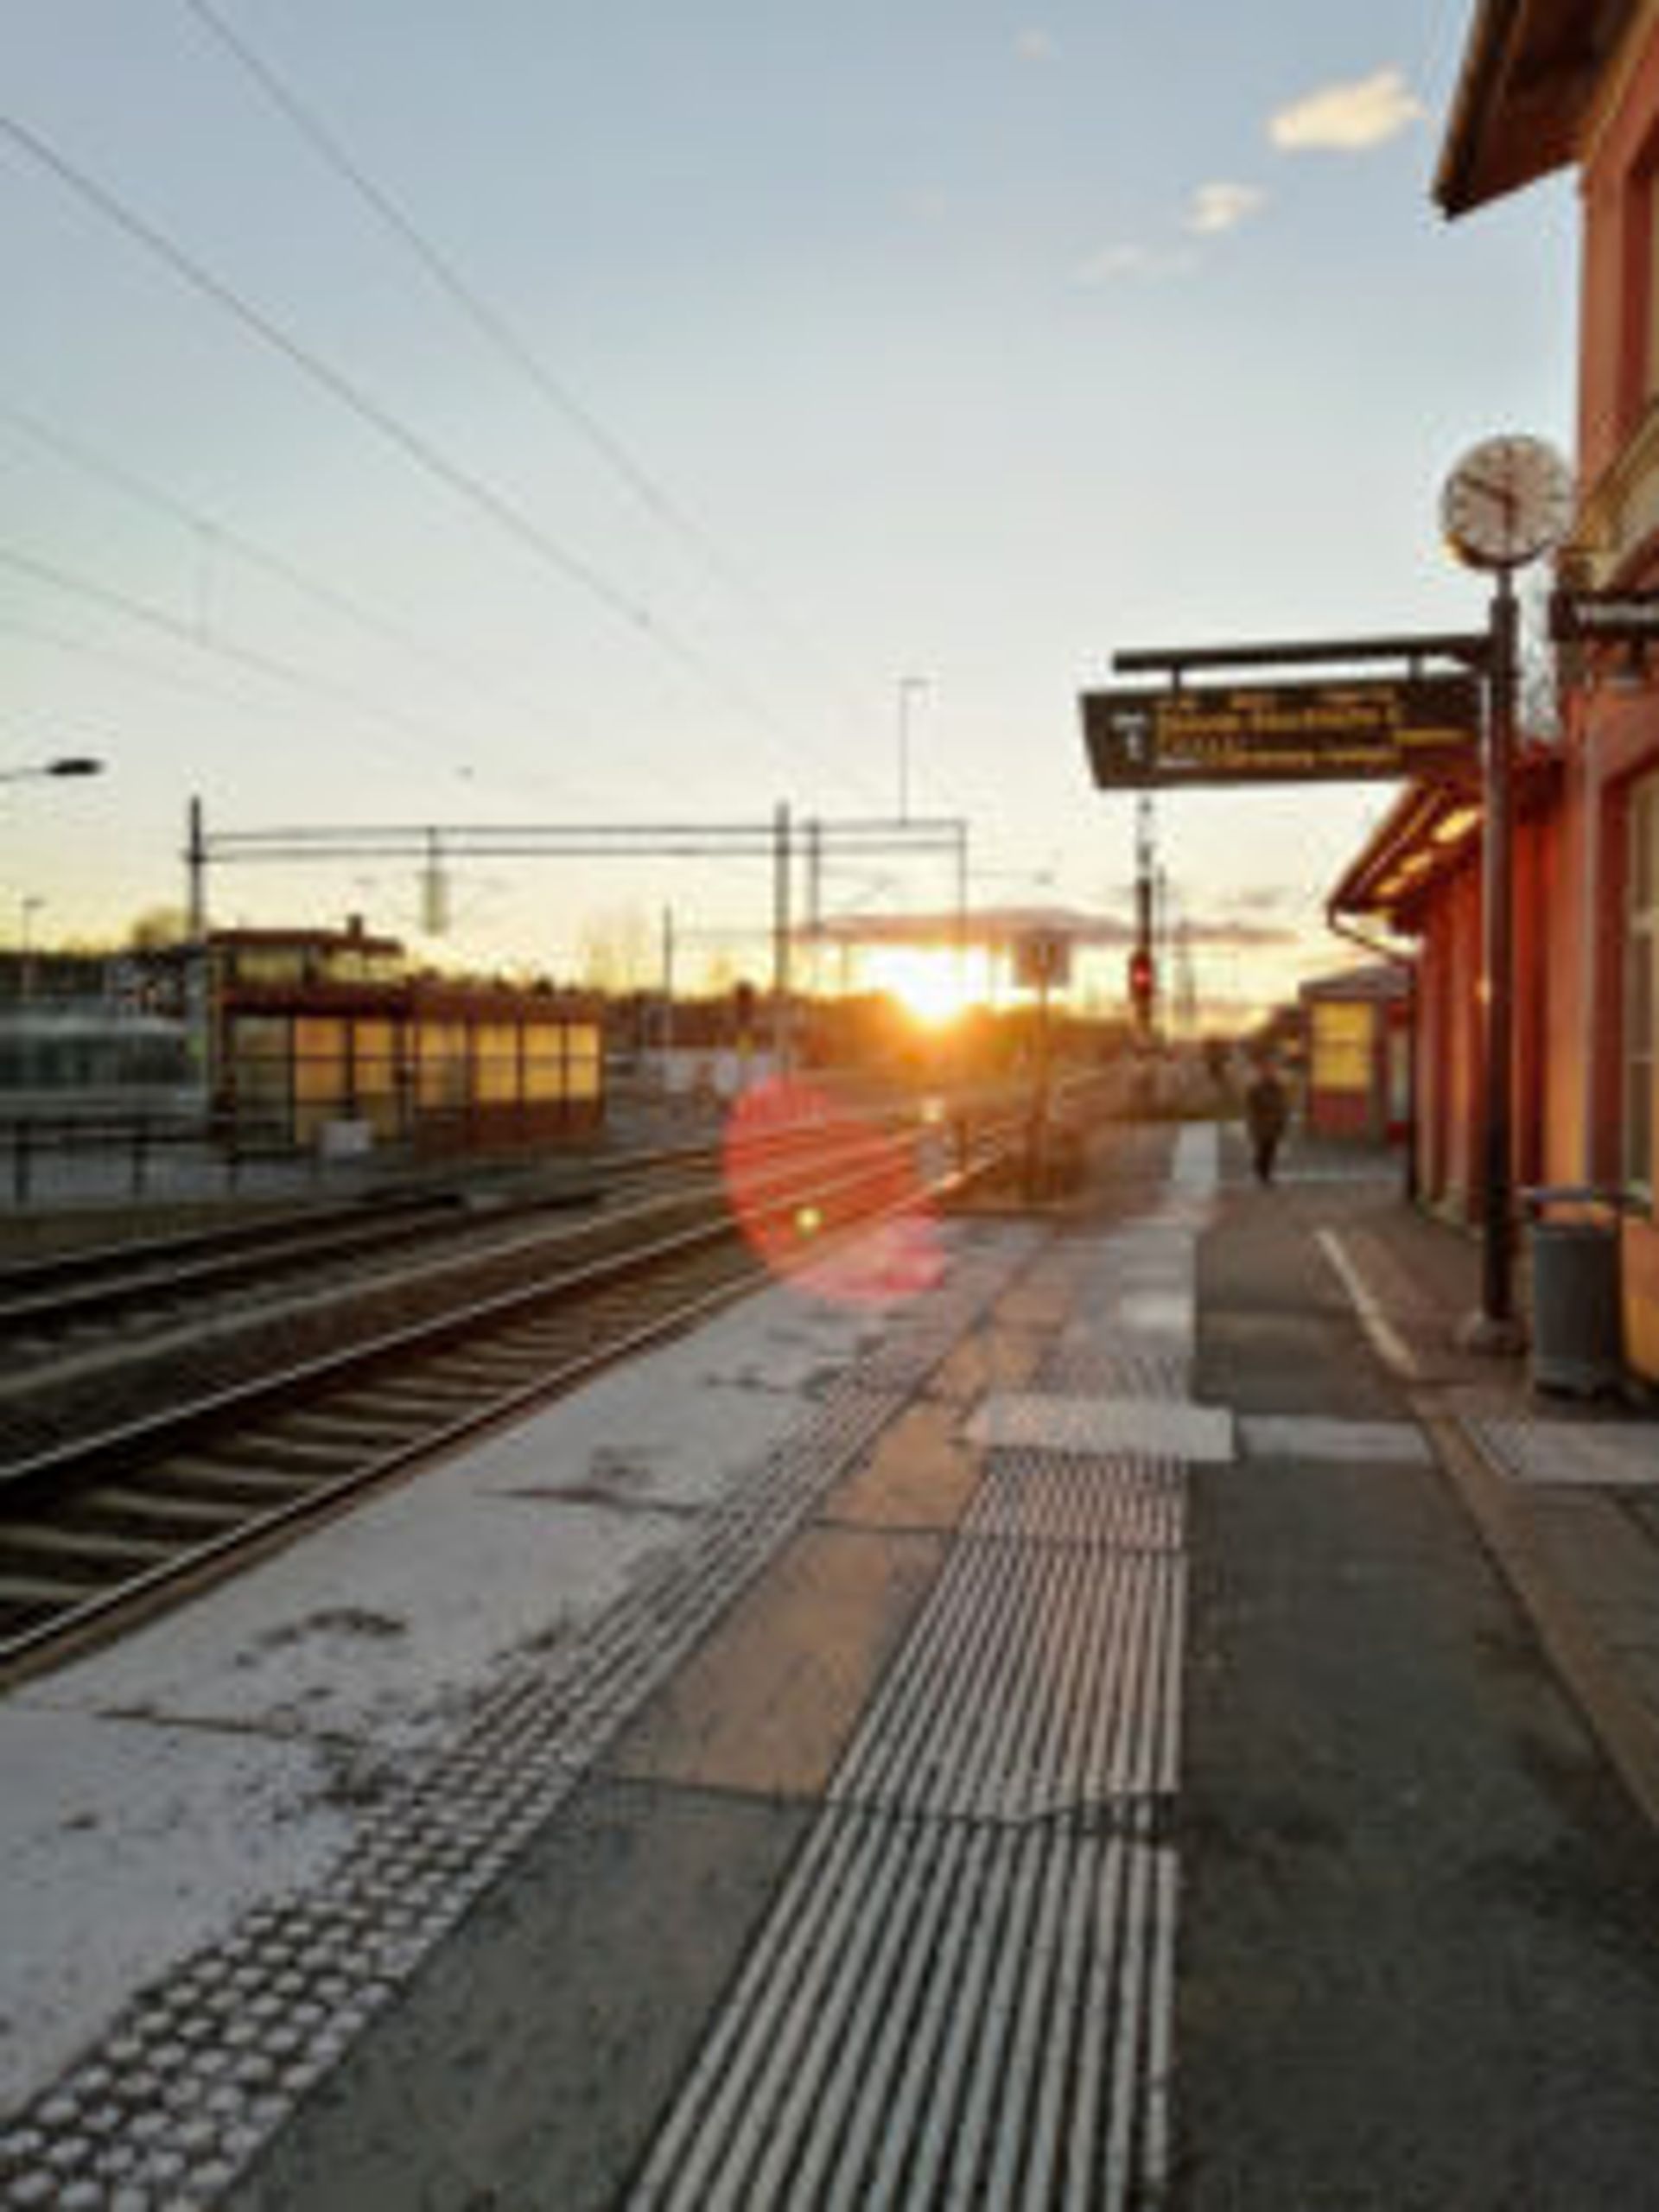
[[1143, 983]]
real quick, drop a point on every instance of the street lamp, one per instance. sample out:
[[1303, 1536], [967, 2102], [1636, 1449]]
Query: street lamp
[[909, 687], [71, 764], [28, 907]]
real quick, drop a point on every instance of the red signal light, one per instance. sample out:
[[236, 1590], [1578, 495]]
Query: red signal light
[[1142, 979]]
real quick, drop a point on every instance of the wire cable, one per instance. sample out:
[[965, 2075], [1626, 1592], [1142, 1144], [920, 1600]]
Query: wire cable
[[485, 501], [213, 530], [498, 332], [269, 666]]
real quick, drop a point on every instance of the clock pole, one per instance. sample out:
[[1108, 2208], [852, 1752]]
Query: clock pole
[[1496, 1326], [1507, 501]]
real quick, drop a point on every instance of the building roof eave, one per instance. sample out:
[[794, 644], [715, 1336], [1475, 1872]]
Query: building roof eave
[[1530, 72], [1428, 834]]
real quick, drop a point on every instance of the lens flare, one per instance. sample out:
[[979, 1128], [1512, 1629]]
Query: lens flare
[[857, 1171]]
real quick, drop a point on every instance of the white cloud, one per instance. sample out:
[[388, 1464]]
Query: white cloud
[[1221, 207], [1348, 118], [1035, 44]]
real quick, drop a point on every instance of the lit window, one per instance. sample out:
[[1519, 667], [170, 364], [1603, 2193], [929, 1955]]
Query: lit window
[[1342, 1047], [1642, 991]]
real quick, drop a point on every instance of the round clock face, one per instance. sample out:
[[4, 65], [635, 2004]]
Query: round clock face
[[1506, 502]]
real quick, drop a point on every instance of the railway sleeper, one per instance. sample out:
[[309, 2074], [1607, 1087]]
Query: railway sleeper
[[32, 1594], [413, 1405], [477, 1374], [356, 1423], [290, 1454], [117, 1548], [443, 1379], [197, 1475], [122, 1502]]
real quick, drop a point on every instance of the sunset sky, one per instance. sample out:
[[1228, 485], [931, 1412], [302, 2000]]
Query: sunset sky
[[418, 412]]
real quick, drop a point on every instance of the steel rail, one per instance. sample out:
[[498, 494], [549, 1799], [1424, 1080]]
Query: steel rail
[[79, 1261], [72, 1288], [149, 1430], [106, 1297], [153, 1435]]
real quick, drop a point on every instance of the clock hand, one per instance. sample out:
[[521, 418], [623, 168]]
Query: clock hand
[[1503, 493]]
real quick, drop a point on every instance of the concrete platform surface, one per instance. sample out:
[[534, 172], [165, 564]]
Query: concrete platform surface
[[1126, 1713]]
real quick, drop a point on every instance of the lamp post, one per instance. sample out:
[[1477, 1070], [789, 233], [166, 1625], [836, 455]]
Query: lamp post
[[910, 687], [70, 764], [66, 763], [28, 907]]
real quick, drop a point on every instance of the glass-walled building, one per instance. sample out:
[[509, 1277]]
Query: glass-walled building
[[320, 1033]]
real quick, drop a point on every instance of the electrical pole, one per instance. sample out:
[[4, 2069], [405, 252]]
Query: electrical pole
[[780, 929], [195, 873], [908, 687], [815, 902], [668, 992]]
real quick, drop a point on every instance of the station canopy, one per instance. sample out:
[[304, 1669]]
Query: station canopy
[[1003, 928], [992, 929]]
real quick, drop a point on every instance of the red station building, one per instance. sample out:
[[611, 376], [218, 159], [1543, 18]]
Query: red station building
[[1547, 84]]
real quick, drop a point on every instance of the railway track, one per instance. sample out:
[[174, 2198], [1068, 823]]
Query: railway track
[[83, 1337], [75, 1299], [115, 1522]]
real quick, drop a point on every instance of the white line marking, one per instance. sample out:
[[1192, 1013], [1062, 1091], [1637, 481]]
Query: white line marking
[[1389, 1345]]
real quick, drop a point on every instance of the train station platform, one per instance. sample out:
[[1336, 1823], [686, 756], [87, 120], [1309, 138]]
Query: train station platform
[[773, 1776]]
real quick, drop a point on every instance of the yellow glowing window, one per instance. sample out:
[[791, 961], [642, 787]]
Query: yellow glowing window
[[374, 1055], [584, 1067], [269, 965], [495, 1063], [1342, 1047], [443, 1063]]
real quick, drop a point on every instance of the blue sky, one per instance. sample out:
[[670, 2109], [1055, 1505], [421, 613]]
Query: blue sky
[[940, 339]]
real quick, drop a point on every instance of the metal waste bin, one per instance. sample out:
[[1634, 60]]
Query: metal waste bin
[[1577, 1330]]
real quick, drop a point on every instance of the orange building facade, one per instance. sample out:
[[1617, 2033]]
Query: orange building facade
[[1548, 84]]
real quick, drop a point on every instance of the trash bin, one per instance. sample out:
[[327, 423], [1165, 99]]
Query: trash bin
[[1576, 1325]]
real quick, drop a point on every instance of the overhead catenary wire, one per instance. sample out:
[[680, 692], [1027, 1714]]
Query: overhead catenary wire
[[214, 529], [638, 618], [498, 331], [271, 666]]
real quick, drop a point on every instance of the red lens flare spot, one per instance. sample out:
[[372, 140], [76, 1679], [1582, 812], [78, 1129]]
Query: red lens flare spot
[[785, 1130]]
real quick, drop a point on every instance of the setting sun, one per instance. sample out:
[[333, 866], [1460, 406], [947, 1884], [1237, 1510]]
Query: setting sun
[[933, 985]]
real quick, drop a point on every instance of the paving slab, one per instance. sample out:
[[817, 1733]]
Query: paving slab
[[294, 1702], [1316, 1436], [529, 2060], [768, 1702], [188, 1827], [922, 1474], [990, 1359], [1419, 1968], [1058, 1421]]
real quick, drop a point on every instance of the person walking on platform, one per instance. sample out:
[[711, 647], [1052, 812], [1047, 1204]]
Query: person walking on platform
[[1267, 1109]]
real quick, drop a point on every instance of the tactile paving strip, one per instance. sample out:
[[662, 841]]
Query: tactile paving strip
[[1102, 1428], [1042, 1680], [1058, 1499], [938, 2013], [202, 2068], [962, 1993]]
